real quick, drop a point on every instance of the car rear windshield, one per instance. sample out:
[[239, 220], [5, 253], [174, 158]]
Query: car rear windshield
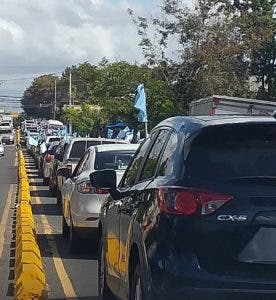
[[77, 150], [116, 160], [230, 151], [5, 131], [57, 139]]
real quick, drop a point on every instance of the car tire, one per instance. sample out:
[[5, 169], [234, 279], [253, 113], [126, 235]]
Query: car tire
[[74, 239], [45, 181], [136, 285], [103, 289], [59, 197], [65, 228]]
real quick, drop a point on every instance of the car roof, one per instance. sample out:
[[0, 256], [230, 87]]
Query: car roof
[[53, 144], [99, 139], [192, 123], [115, 147]]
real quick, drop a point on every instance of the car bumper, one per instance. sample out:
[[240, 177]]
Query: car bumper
[[46, 170], [218, 294], [85, 211], [7, 141], [196, 283]]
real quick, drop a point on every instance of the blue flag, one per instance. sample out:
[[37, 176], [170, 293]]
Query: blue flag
[[32, 141], [140, 103]]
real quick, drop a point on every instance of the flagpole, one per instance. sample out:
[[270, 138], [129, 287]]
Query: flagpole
[[146, 129]]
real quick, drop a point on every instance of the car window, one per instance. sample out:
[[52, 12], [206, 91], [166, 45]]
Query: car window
[[79, 167], [93, 143], [166, 161], [57, 139], [231, 151], [77, 150], [150, 165], [133, 168], [116, 160]]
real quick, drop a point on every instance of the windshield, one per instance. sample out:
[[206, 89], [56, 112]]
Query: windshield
[[5, 131], [116, 160], [222, 153], [57, 139], [78, 148]]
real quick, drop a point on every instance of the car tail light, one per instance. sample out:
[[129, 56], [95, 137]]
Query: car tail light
[[48, 158], [188, 201], [69, 168], [85, 187]]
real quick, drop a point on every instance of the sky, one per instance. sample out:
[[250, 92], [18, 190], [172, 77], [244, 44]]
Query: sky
[[45, 36]]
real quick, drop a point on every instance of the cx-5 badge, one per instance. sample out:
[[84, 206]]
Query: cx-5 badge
[[233, 218]]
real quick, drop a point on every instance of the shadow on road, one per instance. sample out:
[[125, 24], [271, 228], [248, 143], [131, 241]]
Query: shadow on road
[[41, 193], [78, 298], [46, 209], [88, 249]]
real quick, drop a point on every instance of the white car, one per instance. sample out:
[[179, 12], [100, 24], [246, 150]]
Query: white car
[[2, 148], [81, 202]]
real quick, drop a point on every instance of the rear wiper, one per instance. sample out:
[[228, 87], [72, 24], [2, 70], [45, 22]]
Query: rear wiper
[[253, 179]]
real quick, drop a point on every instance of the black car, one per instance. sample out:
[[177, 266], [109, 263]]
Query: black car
[[58, 156], [194, 214]]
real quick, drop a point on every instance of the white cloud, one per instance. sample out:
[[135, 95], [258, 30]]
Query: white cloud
[[40, 36], [58, 33]]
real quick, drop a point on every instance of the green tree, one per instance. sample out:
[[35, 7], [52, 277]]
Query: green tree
[[37, 100], [213, 45], [258, 27]]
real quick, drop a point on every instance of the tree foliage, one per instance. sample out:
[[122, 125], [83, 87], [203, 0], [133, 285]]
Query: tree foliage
[[219, 45], [109, 85]]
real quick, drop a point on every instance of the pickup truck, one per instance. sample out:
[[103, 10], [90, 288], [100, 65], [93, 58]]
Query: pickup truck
[[73, 152], [225, 105]]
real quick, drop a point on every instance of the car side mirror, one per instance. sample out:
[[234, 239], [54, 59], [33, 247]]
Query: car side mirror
[[64, 172], [105, 179], [58, 157]]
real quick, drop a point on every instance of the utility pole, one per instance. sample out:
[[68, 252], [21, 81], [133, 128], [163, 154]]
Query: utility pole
[[55, 103], [70, 99]]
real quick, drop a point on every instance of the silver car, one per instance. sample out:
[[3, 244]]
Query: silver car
[[80, 200], [47, 159], [2, 148]]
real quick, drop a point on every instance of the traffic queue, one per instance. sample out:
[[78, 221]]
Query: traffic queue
[[65, 162], [188, 212]]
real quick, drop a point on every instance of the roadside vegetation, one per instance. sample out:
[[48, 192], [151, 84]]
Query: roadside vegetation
[[220, 47]]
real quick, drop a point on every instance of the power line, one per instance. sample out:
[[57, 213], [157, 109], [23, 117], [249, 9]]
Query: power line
[[10, 96]]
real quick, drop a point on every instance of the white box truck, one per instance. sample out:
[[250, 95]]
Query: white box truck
[[225, 105]]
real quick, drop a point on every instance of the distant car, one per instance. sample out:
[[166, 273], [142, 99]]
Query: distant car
[[74, 151], [7, 136], [194, 216], [80, 201], [47, 160], [2, 148]]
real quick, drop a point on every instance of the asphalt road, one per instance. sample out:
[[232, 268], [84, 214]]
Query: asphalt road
[[68, 276], [8, 186]]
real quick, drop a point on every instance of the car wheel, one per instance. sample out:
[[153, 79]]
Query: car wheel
[[50, 186], [74, 239], [104, 291], [65, 228], [54, 191], [136, 286], [45, 181], [58, 197]]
